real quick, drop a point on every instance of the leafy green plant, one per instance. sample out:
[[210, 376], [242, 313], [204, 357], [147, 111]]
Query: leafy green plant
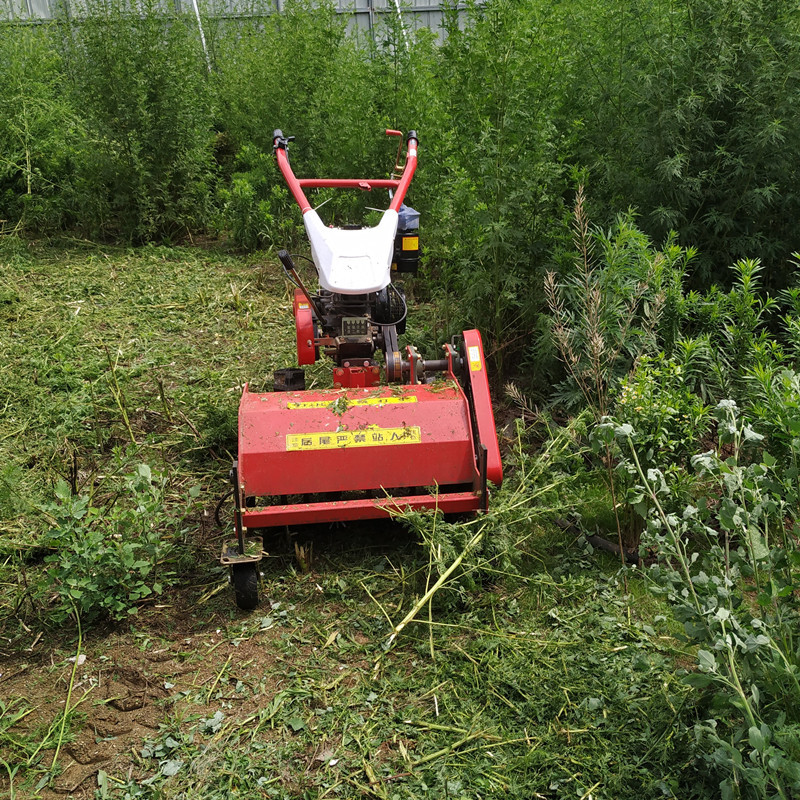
[[299, 71], [256, 206], [668, 418], [669, 423], [607, 310], [685, 113], [728, 345], [109, 559], [730, 566], [39, 129], [495, 169], [776, 406], [145, 170]]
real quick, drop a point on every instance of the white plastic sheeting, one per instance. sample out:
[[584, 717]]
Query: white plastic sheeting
[[364, 14]]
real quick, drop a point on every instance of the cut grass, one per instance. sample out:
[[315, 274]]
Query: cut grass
[[553, 684], [111, 356]]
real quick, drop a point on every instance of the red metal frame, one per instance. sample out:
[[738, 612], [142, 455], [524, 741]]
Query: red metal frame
[[384, 437], [408, 173], [482, 405], [348, 183], [453, 431], [304, 328], [400, 187], [360, 436], [349, 510], [351, 376]]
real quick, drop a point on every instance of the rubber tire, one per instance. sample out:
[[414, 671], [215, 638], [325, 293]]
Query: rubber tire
[[245, 585]]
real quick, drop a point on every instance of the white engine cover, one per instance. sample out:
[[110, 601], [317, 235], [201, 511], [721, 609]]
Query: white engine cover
[[352, 261]]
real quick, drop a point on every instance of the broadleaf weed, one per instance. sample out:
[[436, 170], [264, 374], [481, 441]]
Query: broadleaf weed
[[728, 564], [109, 558]]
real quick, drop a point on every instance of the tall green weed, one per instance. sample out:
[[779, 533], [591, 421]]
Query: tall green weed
[[498, 175], [39, 130], [108, 558], [145, 170], [617, 302], [300, 72], [728, 561], [687, 113]]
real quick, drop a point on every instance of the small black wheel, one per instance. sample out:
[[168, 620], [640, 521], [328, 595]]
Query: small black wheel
[[245, 585]]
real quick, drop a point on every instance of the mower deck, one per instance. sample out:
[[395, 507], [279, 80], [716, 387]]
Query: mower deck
[[417, 438]]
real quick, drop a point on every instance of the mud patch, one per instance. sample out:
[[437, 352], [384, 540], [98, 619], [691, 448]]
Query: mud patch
[[123, 693]]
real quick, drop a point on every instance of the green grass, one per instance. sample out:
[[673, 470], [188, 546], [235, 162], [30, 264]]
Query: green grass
[[544, 679], [105, 348]]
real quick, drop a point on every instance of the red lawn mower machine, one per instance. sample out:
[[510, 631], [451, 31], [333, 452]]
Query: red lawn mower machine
[[395, 432]]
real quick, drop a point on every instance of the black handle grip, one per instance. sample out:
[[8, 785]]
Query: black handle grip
[[279, 140], [412, 135], [286, 260]]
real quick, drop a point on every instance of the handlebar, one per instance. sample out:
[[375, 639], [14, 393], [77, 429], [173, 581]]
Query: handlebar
[[280, 144], [280, 141]]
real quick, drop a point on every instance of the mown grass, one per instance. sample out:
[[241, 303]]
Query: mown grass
[[519, 698], [551, 681], [108, 348]]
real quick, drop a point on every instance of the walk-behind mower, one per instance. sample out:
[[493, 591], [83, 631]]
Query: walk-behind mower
[[395, 432]]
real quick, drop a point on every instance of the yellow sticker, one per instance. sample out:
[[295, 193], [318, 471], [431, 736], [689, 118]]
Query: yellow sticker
[[411, 243], [302, 305], [474, 353], [368, 437], [346, 402]]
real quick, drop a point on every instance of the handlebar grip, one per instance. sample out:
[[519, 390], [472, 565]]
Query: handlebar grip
[[412, 135], [279, 141], [286, 260]]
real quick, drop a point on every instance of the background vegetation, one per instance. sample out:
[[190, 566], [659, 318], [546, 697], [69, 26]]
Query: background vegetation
[[609, 191], [117, 126]]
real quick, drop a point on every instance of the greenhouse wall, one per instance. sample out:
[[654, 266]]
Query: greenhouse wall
[[364, 14]]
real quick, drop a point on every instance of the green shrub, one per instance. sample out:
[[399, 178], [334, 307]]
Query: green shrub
[[496, 171], [668, 418], [146, 169], [257, 208], [39, 130], [298, 71], [729, 563], [108, 559], [687, 113], [727, 336], [617, 302]]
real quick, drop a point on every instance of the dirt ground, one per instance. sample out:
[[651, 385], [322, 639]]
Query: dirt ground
[[182, 660]]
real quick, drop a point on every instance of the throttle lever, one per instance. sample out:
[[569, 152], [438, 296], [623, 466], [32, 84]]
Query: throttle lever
[[290, 268]]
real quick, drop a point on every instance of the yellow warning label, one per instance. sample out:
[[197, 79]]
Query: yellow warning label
[[367, 437], [302, 305], [345, 403], [411, 243], [474, 354]]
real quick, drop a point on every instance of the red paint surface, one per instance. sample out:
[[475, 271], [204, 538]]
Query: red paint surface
[[484, 416], [400, 187], [304, 329], [444, 456], [348, 510]]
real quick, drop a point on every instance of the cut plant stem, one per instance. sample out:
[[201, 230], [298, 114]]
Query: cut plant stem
[[449, 749], [116, 391], [473, 542]]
